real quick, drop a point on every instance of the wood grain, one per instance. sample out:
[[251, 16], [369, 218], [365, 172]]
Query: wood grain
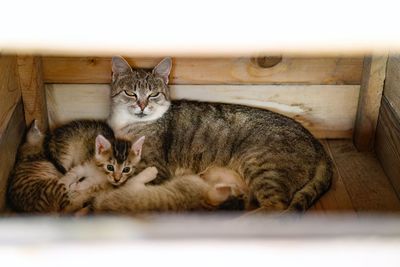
[[32, 89], [392, 83], [387, 145], [11, 133], [371, 89], [366, 183], [10, 93], [292, 70], [328, 111]]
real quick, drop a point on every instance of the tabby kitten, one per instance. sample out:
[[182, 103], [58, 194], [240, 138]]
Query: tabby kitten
[[79, 141], [283, 166], [189, 192], [35, 185]]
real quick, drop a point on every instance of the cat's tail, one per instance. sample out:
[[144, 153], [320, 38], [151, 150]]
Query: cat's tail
[[310, 193]]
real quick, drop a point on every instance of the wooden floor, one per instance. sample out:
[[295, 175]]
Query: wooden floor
[[359, 183]]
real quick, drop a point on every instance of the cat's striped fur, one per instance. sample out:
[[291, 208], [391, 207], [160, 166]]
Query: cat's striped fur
[[282, 164], [35, 185], [80, 141], [186, 193]]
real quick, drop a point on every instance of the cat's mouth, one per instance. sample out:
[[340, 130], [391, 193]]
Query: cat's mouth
[[141, 115]]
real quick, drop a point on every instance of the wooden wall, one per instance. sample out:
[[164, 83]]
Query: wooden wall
[[321, 93], [387, 144], [12, 122]]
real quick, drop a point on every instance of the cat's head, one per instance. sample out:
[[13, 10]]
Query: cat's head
[[118, 158], [139, 95]]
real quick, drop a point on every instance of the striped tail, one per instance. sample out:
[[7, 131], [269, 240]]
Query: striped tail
[[314, 189]]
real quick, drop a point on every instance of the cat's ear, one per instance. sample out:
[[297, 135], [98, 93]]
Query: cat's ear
[[34, 129], [102, 144], [163, 69], [34, 134], [119, 66], [137, 146]]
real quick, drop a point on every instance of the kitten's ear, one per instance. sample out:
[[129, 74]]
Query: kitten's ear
[[119, 66], [34, 129], [102, 144], [137, 146], [219, 193], [34, 134], [163, 69]]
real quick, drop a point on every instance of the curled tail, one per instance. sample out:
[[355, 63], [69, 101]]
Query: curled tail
[[313, 190]]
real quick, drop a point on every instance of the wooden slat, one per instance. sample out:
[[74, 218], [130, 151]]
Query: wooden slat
[[331, 70], [337, 199], [10, 93], [373, 78], [11, 133], [392, 83], [368, 186], [327, 110], [32, 88], [387, 145]]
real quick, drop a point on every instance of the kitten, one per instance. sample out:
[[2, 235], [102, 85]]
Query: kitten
[[283, 166], [189, 192], [79, 141], [35, 185]]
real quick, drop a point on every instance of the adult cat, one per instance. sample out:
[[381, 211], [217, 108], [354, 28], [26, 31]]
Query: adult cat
[[282, 164]]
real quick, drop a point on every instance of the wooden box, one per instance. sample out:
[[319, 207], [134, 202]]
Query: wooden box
[[339, 99]]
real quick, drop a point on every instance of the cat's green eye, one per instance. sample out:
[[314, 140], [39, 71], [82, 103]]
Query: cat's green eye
[[126, 170], [154, 95], [110, 168], [130, 94]]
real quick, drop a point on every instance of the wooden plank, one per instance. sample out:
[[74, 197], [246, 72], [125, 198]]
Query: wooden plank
[[32, 88], [10, 93], [327, 110], [387, 144], [373, 78], [392, 83], [291, 70], [11, 133], [337, 199], [368, 186]]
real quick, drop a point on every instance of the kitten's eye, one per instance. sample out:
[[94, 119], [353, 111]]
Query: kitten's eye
[[154, 95], [130, 94], [81, 179], [110, 168], [126, 169]]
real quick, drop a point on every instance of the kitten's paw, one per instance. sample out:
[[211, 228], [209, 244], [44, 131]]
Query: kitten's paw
[[151, 173], [79, 171], [145, 176], [80, 184]]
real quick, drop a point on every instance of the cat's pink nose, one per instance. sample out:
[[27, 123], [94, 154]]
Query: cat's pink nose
[[117, 178], [142, 105]]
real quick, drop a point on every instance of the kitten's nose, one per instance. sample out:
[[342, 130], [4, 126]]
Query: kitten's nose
[[117, 178]]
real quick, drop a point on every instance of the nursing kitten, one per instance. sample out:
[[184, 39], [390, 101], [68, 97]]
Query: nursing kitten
[[283, 166], [79, 141], [189, 192], [35, 185]]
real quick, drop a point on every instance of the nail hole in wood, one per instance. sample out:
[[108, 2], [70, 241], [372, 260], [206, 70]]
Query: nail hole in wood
[[267, 62]]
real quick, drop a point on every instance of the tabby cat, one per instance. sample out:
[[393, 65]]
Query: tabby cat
[[79, 141], [282, 165], [35, 185]]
